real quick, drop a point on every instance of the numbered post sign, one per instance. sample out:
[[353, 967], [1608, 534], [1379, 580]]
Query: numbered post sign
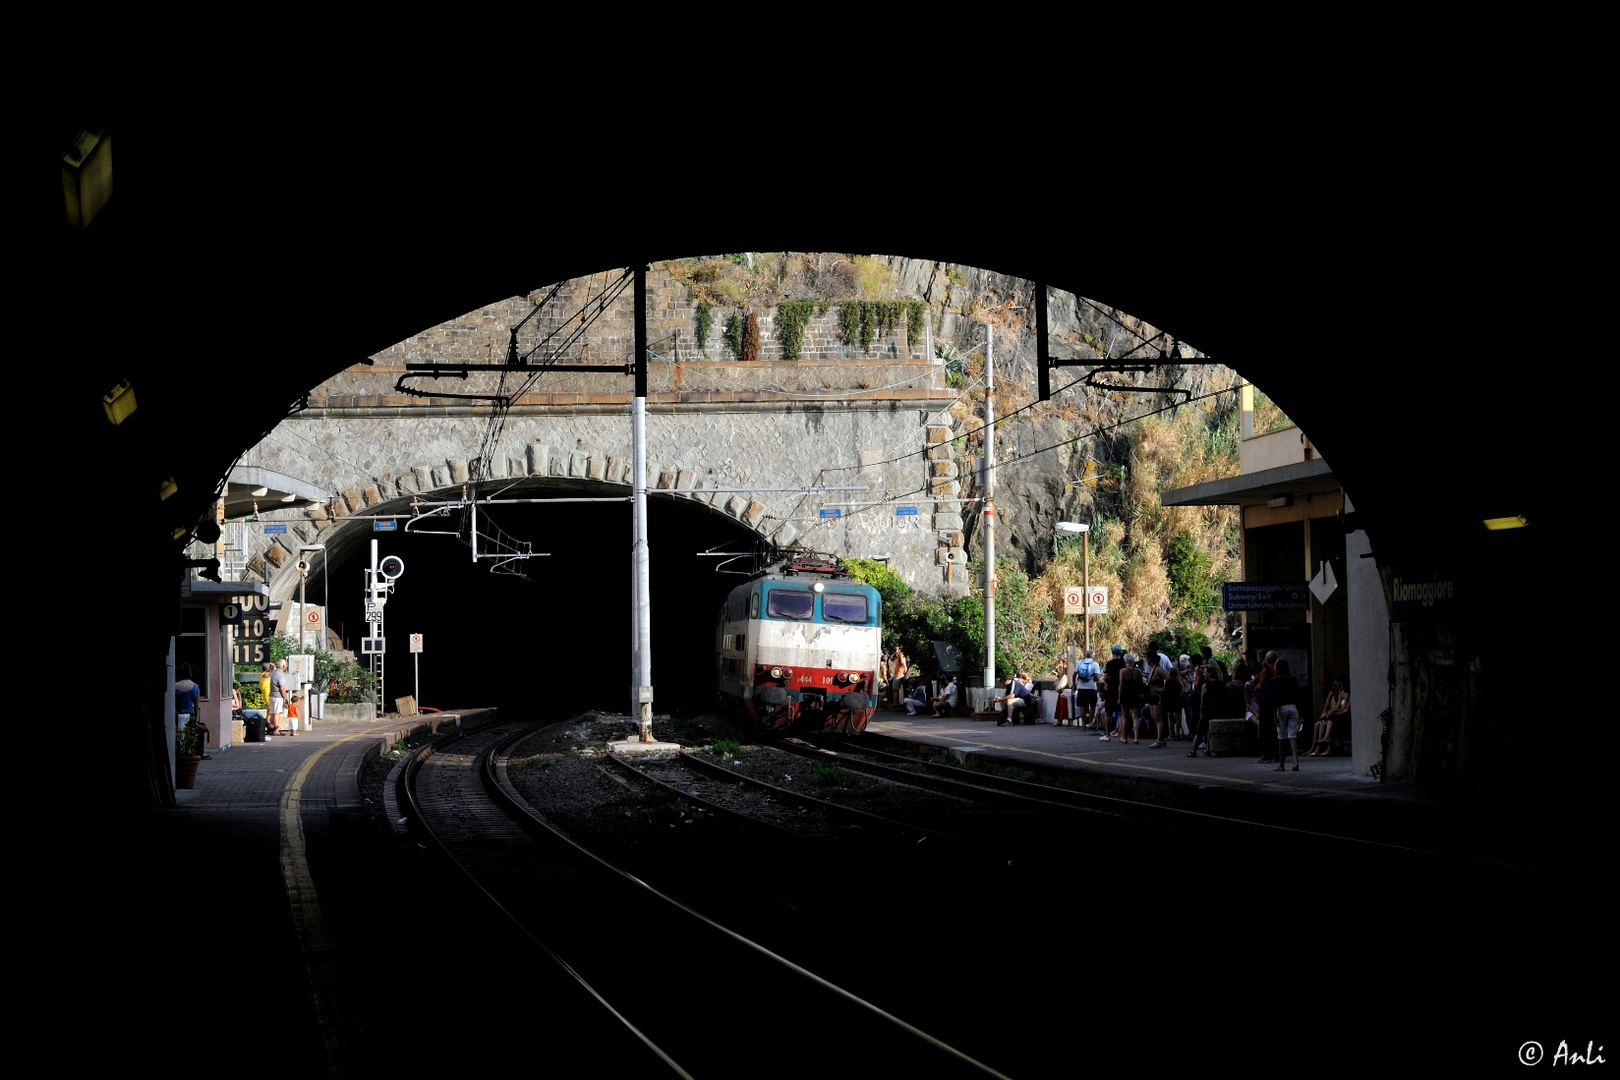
[[249, 629]]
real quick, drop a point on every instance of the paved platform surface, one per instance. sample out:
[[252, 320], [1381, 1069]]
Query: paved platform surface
[[1070, 747], [238, 958]]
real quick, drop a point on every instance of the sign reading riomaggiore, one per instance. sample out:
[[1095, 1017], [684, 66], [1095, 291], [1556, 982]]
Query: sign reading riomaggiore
[[1411, 598], [1265, 596]]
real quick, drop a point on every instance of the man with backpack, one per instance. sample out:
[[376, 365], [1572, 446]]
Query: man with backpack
[[1085, 689]]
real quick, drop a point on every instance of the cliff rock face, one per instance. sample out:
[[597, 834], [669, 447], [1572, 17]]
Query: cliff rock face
[[1049, 455]]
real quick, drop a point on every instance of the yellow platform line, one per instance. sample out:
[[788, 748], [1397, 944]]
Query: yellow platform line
[[329, 990]]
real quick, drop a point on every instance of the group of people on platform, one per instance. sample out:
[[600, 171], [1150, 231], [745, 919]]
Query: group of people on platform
[[281, 700], [1178, 698], [905, 690]]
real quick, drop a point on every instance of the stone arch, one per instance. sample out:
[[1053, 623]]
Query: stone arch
[[276, 554], [425, 453]]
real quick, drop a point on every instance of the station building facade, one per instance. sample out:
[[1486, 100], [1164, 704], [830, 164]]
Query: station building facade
[[1297, 530]]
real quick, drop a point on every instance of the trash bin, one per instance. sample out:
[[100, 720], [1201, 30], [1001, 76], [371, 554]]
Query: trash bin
[[1046, 694]]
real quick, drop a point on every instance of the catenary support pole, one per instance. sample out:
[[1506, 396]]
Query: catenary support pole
[[990, 508], [642, 702]]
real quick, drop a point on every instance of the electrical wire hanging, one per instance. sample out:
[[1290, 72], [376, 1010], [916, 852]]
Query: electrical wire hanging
[[592, 309]]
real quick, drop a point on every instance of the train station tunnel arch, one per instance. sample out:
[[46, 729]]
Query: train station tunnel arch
[[1266, 284], [1397, 542]]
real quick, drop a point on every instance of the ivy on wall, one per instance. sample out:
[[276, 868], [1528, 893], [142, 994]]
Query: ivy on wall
[[791, 318], [916, 313], [860, 322], [703, 323], [851, 321], [864, 321]]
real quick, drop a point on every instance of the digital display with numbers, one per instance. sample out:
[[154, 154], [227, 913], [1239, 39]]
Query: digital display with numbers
[[250, 637]]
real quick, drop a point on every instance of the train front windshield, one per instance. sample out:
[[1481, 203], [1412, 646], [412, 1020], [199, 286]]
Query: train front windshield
[[843, 607], [791, 604], [800, 604]]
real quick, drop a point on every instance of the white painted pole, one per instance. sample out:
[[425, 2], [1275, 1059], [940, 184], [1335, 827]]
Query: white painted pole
[[642, 586], [374, 629], [642, 701]]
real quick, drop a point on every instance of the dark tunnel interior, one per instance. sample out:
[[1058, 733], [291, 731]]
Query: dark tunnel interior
[[559, 637]]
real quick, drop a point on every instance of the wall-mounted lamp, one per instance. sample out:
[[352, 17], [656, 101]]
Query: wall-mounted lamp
[[119, 402], [87, 177]]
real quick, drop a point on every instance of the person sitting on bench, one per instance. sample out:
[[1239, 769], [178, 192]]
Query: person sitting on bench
[[1020, 696]]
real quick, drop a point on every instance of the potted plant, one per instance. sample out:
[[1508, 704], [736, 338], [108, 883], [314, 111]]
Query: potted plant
[[188, 745]]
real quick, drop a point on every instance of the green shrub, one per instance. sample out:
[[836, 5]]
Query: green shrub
[[251, 697], [704, 321], [1175, 640], [791, 317], [1193, 587], [188, 740], [349, 683]]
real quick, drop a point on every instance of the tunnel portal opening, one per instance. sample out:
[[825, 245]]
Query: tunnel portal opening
[[557, 639]]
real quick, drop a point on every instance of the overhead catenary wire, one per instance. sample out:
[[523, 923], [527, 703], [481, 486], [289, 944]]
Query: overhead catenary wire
[[502, 404], [594, 307], [959, 435]]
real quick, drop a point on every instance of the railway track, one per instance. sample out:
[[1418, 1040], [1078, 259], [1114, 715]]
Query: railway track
[[1093, 892], [674, 992], [724, 790]]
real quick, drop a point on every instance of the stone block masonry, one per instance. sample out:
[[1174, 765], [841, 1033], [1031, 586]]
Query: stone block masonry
[[735, 459], [758, 442]]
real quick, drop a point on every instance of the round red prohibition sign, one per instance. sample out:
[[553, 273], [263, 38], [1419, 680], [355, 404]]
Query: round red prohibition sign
[[1099, 599], [312, 617], [1072, 599]]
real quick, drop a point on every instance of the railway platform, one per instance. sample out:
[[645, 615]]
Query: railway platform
[[223, 942], [1048, 745], [1326, 796], [217, 937]]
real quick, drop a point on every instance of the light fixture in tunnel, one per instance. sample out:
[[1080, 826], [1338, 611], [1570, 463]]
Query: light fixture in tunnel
[[119, 402], [87, 176]]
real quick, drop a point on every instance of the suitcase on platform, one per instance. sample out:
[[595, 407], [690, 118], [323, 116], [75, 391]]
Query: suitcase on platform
[[255, 728]]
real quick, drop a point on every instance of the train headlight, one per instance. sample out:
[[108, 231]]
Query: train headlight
[[776, 673]]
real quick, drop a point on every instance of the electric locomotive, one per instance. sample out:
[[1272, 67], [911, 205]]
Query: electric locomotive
[[799, 646]]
